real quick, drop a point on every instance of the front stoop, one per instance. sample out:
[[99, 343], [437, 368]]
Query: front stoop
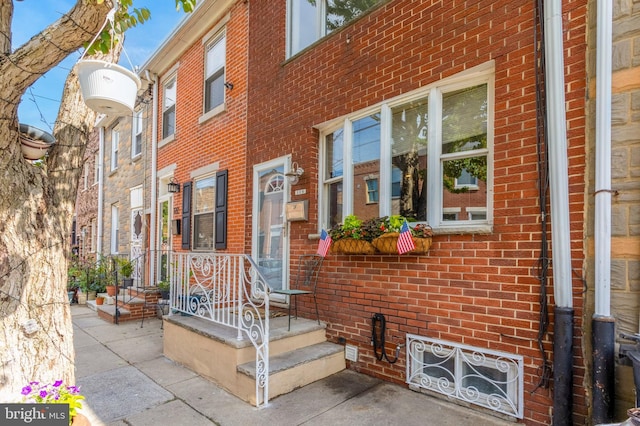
[[297, 357], [131, 306]]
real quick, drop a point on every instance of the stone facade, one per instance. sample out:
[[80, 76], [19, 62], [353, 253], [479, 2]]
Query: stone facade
[[625, 171]]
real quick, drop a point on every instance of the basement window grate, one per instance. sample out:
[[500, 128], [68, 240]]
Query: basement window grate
[[490, 379]]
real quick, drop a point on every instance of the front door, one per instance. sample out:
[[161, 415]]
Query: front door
[[270, 237], [164, 239]]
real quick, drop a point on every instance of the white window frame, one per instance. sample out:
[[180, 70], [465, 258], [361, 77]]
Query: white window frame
[[320, 23], [171, 105], [483, 74], [219, 40], [115, 147], [115, 228], [96, 169], [136, 132], [195, 213], [85, 176], [94, 235]]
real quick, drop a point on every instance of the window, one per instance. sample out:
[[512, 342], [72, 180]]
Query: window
[[372, 190], [203, 213], [311, 20], [484, 377], [215, 77], [169, 108], [136, 141], [94, 235], [115, 144], [115, 228], [96, 169], [429, 153], [85, 176]]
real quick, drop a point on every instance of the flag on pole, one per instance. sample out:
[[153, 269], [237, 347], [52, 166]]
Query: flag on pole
[[405, 241], [323, 245]]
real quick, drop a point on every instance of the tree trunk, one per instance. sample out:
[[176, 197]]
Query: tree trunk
[[36, 209]]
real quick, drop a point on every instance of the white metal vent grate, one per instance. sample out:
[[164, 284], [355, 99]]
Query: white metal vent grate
[[351, 353], [491, 379]]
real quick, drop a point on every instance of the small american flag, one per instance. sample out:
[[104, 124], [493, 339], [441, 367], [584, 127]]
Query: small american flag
[[323, 245], [405, 241]]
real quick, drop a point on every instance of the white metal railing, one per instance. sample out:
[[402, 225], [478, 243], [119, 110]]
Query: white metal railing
[[226, 289], [491, 379]]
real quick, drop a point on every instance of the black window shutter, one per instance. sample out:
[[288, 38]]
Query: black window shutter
[[221, 209], [186, 216]]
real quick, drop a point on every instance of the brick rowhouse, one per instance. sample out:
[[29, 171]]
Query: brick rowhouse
[[480, 290]]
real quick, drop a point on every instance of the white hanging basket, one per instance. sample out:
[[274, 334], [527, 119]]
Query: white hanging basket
[[34, 142], [108, 88]]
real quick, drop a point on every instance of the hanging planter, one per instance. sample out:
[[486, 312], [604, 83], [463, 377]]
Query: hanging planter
[[108, 88], [35, 143]]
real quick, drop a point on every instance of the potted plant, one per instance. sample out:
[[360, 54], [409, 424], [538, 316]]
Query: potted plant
[[390, 226], [126, 270], [105, 279], [350, 238], [164, 288]]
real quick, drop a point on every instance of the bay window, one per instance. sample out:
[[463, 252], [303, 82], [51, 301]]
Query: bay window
[[425, 156]]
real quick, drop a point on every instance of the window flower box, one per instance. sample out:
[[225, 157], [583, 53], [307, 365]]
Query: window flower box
[[388, 243], [376, 236], [352, 246]]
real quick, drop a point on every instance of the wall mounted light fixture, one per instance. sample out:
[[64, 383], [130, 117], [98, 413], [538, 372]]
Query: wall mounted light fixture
[[173, 186], [294, 173]]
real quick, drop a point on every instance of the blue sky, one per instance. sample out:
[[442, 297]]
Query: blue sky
[[39, 106]]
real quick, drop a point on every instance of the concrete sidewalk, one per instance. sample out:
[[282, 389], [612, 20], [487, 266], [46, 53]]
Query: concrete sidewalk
[[127, 381]]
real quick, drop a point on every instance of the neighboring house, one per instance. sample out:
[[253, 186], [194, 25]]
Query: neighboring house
[[200, 77], [624, 53], [86, 217], [126, 184], [388, 106]]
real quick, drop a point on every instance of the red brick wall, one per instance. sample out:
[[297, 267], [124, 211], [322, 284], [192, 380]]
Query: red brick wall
[[480, 290], [221, 138]]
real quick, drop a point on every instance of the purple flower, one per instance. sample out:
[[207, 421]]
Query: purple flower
[[43, 393], [57, 383], [26, 390]]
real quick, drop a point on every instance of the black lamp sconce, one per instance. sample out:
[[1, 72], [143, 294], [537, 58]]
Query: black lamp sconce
[[228, 85], [173, 186]]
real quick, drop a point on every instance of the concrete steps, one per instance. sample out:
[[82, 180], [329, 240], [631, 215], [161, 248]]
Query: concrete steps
[[297, 357]]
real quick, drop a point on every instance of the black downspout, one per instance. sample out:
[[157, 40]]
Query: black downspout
[[603, 369], [563, 367]]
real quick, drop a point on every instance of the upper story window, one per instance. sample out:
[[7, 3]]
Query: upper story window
[[429, 153], [115, 146], [310, 20], [96, 168], [85, 176], [214, 73], [169, 108], [136, 141]]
